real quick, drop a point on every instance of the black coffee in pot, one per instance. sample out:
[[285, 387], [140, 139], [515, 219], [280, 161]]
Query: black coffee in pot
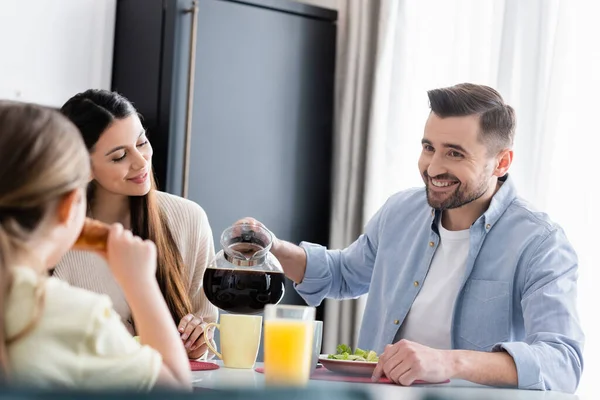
[[242, 291]]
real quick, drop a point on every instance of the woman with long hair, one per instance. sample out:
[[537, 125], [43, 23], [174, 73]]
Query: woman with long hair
[[53, 334], [122, 189]]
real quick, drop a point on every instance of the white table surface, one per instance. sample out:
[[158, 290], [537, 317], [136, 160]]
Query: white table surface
[[226, 378]]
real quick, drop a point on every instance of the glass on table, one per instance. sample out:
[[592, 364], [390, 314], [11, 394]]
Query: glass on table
[[288, 342]]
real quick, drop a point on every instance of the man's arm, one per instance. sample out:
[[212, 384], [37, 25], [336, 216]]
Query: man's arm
[[406, 362], [494, 369], [342, 274], [320, 273], [550, 357], [292, 259]]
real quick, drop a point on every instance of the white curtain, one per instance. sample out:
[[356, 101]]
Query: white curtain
[[358, 31], [363, 27], [531, 51]]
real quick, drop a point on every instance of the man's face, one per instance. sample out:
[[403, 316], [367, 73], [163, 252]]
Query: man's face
[[455, 164]]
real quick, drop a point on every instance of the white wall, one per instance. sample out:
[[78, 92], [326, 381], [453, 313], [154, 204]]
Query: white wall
[[52, 49]]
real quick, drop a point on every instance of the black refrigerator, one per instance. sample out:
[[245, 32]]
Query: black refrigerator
[[237, 98]]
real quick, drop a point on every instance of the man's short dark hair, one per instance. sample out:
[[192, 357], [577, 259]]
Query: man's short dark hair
[[496, 119]]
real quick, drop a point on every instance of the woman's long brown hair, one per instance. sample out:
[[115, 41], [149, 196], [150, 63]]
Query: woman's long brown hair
[[43, 159], [148, 221], [92, 112]]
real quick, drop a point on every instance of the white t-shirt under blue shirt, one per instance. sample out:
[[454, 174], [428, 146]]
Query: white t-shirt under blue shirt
[[429, 320]]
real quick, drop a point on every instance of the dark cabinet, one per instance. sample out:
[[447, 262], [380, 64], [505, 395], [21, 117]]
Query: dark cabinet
[[261, 117]]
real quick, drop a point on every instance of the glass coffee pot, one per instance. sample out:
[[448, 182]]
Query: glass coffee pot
[[244, 276]]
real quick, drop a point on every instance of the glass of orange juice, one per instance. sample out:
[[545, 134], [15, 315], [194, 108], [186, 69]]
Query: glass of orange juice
[[288, 340]]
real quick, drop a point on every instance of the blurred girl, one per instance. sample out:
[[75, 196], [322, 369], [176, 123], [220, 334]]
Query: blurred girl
[[53, 334]]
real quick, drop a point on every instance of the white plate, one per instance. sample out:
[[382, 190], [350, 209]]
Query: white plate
[[347, 366]]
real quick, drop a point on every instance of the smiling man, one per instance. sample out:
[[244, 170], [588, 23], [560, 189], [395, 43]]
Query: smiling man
[[465, 279]]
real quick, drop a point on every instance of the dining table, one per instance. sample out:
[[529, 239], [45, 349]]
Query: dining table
[[228, 378]]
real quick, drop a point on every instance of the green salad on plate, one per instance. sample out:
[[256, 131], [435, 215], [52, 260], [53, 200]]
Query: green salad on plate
[[344, 352]]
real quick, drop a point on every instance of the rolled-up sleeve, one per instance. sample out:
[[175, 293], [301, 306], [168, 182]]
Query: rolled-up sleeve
[[341, 274], [550, 357]]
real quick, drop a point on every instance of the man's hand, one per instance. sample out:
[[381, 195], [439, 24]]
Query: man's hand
[[405, 362], [253, 222], [291, 257]]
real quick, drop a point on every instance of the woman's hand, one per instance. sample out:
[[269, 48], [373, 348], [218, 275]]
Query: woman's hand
[[194, 336]]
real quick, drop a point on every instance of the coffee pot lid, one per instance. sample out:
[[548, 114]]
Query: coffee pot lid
[[247, 246]]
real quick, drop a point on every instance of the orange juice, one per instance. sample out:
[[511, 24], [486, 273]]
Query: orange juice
[[288, 351]]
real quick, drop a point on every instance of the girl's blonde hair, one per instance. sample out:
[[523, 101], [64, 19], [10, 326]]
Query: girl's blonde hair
[[43, 159]]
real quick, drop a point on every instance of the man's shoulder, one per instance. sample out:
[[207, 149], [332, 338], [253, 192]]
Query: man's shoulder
[[405, 207], [523, 214]]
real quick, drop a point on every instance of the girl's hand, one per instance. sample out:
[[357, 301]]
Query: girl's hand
[[131, 259]]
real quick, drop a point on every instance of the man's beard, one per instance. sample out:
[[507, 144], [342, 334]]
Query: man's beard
[[461, 196]]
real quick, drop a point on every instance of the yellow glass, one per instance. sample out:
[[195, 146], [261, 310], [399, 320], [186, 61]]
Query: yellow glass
[[288, 340]]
